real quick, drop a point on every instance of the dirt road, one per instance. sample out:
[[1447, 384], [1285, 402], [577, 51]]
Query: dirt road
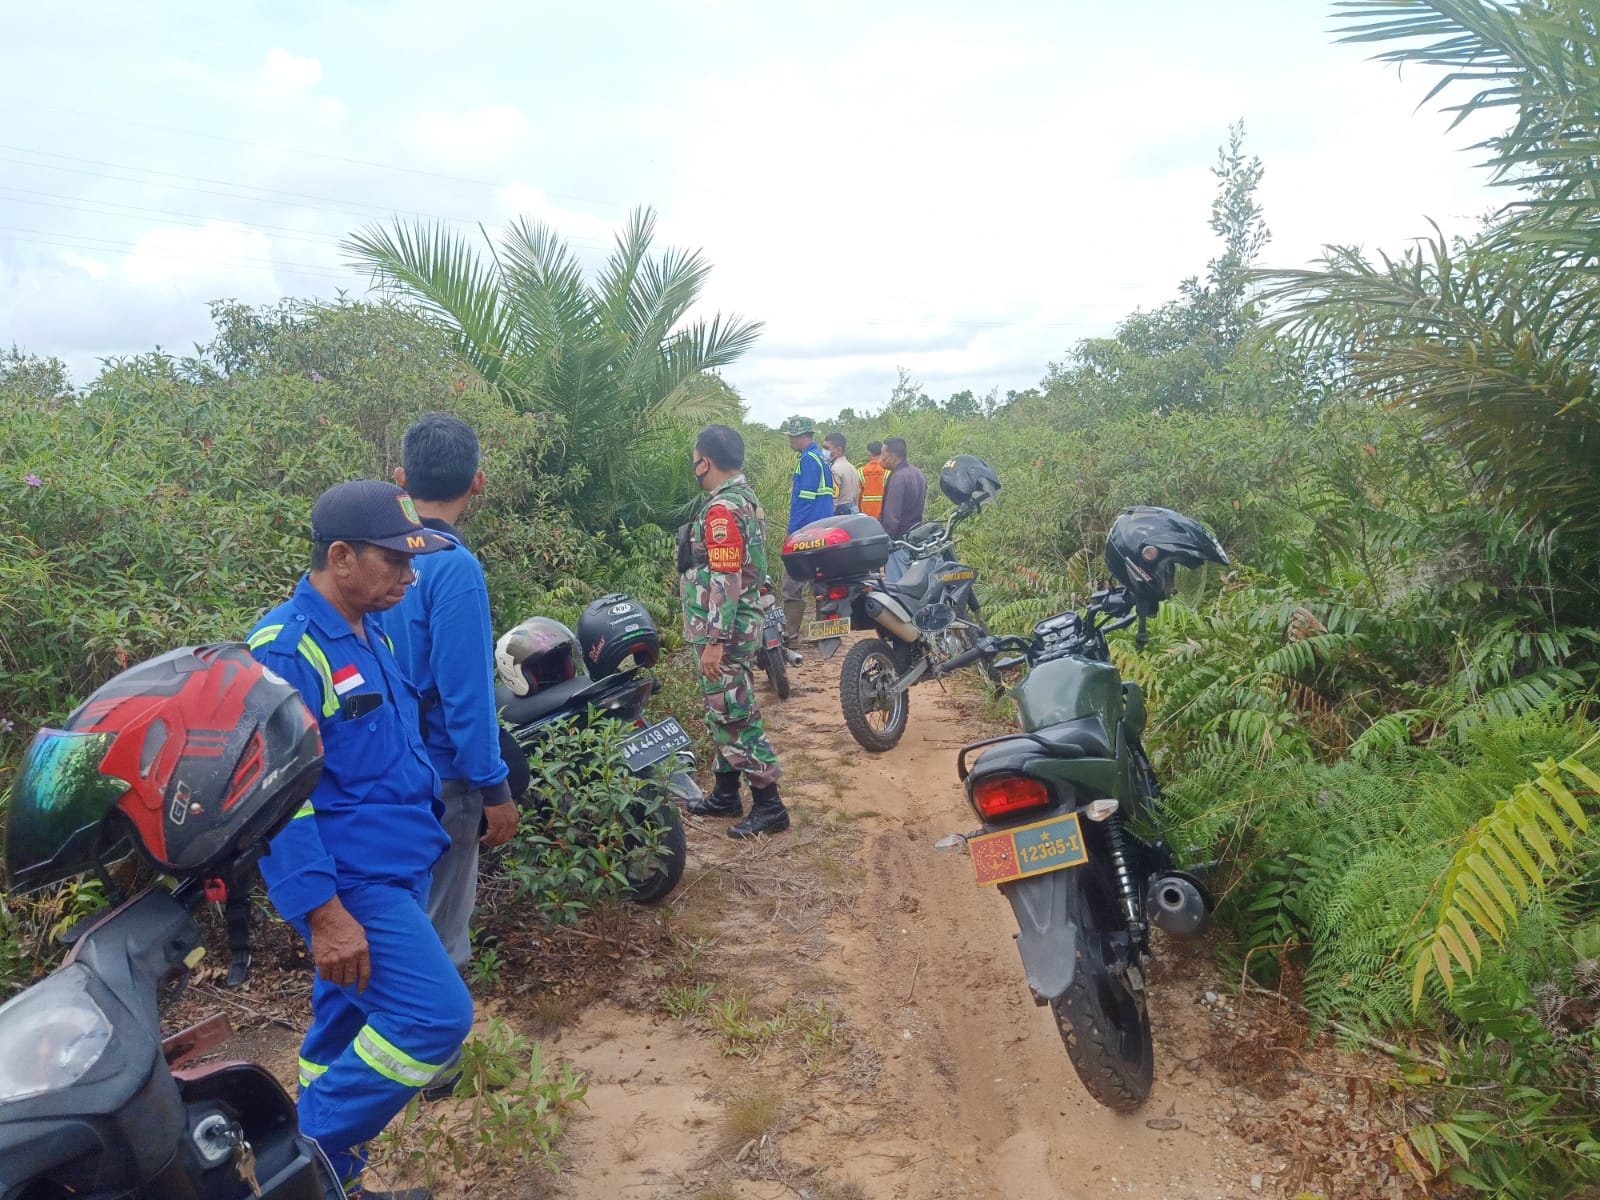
[[901, 1054]]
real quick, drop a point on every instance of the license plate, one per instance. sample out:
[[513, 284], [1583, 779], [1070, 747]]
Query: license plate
[[1028, 850], [649, 746], [816, 631]]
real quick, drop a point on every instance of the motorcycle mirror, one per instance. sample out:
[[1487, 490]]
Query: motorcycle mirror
[[934, 618]]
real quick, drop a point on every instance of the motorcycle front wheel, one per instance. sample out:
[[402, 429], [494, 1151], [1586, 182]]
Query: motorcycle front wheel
[[654, 881], [875, 719], [1103, 1021], [778, 671]]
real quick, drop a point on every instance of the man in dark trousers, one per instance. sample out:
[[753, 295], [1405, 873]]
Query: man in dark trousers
[[445, 644]]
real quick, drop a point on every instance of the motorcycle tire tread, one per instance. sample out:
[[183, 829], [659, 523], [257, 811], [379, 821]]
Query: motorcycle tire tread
[[850, 699], [778, 672], [674, 855], [1091, 1042]]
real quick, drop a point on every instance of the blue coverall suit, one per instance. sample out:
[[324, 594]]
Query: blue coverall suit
[[370, 834]]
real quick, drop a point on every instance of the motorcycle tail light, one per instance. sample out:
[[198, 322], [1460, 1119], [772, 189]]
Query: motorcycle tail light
[[838, 591], [1007, 795]]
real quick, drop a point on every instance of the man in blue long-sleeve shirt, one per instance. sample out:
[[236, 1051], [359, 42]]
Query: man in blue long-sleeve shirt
[[445, 644], [810, 499]]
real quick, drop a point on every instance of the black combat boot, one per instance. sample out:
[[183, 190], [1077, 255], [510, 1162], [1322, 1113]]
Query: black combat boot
[[767, 814], [724, 798]]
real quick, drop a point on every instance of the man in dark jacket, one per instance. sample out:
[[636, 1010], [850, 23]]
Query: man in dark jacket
[[905, 492]]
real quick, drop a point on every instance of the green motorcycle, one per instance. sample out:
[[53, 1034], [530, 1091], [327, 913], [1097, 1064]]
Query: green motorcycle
[[1070, 834]]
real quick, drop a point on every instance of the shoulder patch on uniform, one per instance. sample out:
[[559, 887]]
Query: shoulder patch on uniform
[[724, 540]]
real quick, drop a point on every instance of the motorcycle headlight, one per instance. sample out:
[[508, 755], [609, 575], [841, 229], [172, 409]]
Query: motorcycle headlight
[[50, 1035]]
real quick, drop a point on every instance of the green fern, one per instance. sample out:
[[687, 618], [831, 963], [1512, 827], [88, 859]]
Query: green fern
[[1507, 852]]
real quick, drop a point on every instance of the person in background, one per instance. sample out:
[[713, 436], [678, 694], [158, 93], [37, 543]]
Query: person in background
[[873, 475], [810, 499], [905, 496], [846, 479], [350, 870], [721, 590], [445, 644]]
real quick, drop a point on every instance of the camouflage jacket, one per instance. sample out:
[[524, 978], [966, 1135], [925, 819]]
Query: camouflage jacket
[[721, 589]]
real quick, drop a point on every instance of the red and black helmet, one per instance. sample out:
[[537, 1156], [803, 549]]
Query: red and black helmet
[[197, 756]]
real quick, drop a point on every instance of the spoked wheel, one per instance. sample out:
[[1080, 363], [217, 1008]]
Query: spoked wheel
[[778, 671], [875, 718], [653, 881], [1103, 1018], [967, 636]]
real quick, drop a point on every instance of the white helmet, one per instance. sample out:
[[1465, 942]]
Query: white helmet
[[535, 654]]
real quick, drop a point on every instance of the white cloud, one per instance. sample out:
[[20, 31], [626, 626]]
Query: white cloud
[[172, 257], [476, 137], [291, 70], [91, 267]]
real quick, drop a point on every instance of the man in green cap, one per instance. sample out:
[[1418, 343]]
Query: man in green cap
[[810, 499]]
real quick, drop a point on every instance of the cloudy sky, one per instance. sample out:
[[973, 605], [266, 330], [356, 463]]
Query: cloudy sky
[[960, 189]]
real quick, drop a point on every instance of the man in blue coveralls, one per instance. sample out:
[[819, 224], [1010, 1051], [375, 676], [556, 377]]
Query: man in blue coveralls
[[350, 870], [810, 499], [445, 644]]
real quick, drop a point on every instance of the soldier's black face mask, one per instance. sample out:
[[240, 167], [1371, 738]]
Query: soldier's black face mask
[[701, 467]]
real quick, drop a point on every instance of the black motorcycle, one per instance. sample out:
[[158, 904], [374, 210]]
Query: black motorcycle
[[923, 610], [1071, 839], [657, 753], [773, 653]]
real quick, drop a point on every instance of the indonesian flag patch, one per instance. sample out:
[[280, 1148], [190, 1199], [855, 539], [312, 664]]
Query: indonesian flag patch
[[347, 679], [724, 541]]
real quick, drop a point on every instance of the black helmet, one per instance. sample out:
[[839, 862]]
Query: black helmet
[[203, 754], [613, 629], [967, 478], [535, 654], [1146, 546]]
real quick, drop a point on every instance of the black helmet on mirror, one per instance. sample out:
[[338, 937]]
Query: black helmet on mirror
[[615, 629], [1147, 545], [967, 479], [194, 759], [536, 654]]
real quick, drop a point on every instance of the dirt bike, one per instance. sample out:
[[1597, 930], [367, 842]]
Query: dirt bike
[[1060, 802], [646, 753], [773, 654], [920, 618]]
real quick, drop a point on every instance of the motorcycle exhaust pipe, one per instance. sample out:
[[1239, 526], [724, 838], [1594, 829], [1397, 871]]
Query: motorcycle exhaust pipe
[[886, 617], [1177, 906]]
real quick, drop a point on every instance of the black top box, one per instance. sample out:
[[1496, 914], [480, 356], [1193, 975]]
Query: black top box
[[836, 548]]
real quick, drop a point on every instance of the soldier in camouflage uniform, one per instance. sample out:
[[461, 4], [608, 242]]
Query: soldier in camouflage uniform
[[726, 564]]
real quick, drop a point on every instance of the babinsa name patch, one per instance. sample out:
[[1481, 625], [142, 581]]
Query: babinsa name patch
[[724, 541]]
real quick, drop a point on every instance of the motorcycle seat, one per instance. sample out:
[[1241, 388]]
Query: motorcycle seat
[[1084, 737], [524, 710], [914, 583]]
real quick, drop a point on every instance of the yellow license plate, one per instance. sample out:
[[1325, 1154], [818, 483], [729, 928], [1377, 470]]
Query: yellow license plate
[[816, 631], [1028, 850]]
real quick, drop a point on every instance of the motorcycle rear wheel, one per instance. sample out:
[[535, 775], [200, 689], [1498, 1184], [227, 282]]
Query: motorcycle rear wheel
[[869, 668], [1105, 1024], [778, 671], [656, 881]]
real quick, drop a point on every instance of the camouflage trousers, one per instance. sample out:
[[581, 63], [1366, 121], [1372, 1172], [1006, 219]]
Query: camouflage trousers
[[734, 718]]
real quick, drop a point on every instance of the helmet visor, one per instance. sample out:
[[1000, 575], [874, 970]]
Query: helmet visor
[[57, 804]]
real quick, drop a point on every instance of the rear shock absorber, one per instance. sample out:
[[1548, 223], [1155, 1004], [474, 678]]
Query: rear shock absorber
[[1127, 889]]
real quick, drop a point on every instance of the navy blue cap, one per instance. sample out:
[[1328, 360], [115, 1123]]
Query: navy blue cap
[[375, 512]]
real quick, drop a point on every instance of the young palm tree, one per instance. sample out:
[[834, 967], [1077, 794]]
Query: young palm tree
[[1496, 339], [613, 361]]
